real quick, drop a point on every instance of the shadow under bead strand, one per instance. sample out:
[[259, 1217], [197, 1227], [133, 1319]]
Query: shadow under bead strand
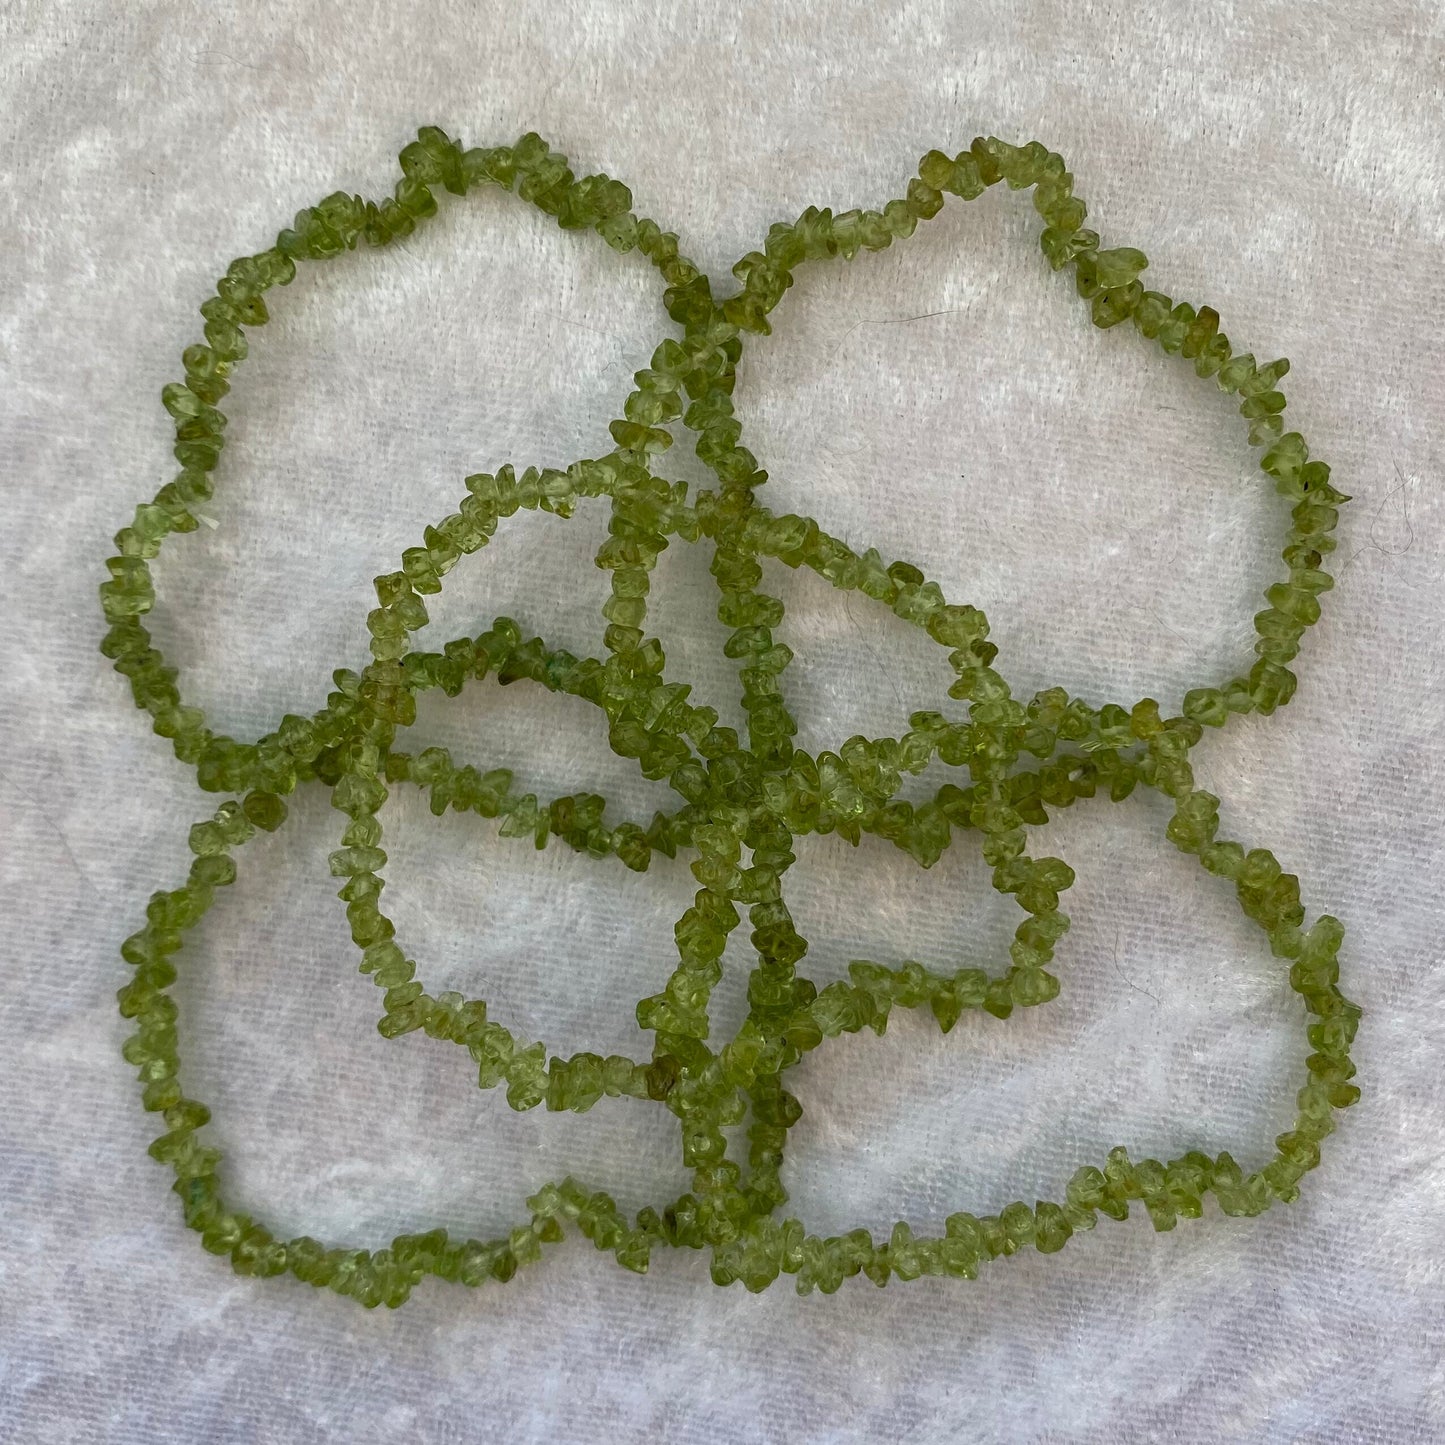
[[755, 792]]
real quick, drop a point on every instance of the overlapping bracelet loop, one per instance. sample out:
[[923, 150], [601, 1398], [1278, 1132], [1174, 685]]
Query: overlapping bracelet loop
[[742, 800]]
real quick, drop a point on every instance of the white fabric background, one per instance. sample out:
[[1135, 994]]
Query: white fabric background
[[946, 401]]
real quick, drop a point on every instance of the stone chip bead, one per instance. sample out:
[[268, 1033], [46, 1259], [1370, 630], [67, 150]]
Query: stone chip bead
[[741, 796]]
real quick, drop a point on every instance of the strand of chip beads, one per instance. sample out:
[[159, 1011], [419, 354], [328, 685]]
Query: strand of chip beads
[[757, 795]]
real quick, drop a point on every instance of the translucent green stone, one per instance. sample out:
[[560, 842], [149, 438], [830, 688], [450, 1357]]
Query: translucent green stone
[[1119, 267]]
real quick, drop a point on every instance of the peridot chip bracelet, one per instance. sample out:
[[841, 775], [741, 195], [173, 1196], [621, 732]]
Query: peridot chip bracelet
[[741, 801]]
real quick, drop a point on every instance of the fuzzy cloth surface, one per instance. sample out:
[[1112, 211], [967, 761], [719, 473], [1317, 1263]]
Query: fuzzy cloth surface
[[946, 401]]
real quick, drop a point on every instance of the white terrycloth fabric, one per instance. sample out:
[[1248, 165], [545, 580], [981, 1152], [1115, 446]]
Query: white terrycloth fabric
[[946, 401]]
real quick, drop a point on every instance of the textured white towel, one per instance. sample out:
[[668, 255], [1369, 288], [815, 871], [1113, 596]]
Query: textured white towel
[[946, 401]]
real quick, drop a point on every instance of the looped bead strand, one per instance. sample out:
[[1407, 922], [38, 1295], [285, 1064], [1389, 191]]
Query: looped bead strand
[[757, 792]]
